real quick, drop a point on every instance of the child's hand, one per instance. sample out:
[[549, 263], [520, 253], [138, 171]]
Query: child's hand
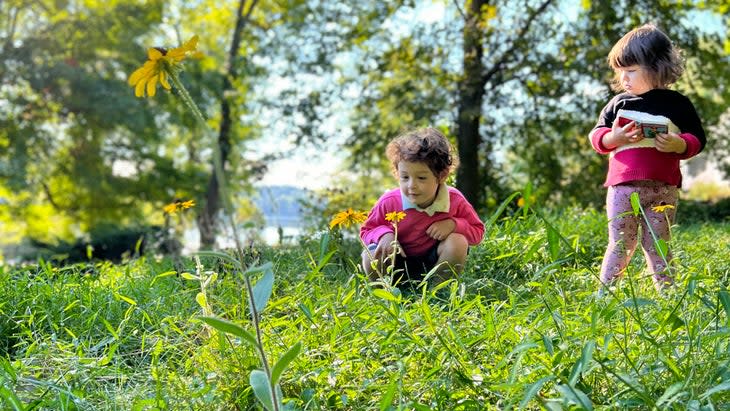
[[441, 229], [670, 143], [386, 244], [620, 136]]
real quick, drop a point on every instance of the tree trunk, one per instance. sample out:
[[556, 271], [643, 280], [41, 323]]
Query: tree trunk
[[470, 98], [207, 219]]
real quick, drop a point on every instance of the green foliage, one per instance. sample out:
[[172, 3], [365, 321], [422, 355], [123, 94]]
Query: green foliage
[[521, 329]]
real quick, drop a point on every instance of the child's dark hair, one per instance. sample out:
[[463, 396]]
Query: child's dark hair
[[426, 145], [650, 48]]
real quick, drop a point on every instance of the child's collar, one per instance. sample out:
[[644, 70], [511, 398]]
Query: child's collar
[[440, 204]]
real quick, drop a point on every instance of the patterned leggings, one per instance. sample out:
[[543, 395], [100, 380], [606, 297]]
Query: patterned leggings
[[623, 228]]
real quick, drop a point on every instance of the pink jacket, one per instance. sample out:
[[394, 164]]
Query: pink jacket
[[412, 229]]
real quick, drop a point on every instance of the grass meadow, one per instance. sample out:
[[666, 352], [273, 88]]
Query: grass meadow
[[522, 329]]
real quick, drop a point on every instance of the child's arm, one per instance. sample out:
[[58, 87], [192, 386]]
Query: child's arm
[[465, 220], [386, 245], [441, 229], [670, 143], [619, 136]]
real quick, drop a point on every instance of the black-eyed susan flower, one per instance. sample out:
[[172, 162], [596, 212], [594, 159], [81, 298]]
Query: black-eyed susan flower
[[347, 217], [160, 65], [395, 217], [178, 205], [662, 208]]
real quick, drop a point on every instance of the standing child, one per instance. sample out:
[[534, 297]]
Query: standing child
[[645, 131], [439, 223]]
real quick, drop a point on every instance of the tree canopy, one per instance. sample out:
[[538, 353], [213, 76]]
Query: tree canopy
[[516, 85]]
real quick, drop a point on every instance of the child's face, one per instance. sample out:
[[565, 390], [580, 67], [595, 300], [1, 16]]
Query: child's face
[[635, 79], [418, 182]]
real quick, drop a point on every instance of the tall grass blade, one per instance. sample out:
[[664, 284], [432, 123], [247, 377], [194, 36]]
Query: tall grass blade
[[533, 390], [635, 203], [575, 396], [724, 386], [553, 238], [11, 399], [724, 297], [387, 400], [284, 361], [499, 210]]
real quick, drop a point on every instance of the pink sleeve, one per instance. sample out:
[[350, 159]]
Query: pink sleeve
[[375, 226], [467, 221], [596, 137], [693, 146]]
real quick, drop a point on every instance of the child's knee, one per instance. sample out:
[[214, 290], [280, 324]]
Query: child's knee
[[455, 246]]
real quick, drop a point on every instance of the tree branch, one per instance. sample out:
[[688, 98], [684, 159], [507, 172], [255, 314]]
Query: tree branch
[[497, 67]]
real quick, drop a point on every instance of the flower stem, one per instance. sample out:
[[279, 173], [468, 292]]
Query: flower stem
[[227, 208]]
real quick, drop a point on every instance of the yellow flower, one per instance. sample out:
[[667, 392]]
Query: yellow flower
[[160, 65], [395, 217], [170, 208], [348, 217], [662, 208], [178, 205]]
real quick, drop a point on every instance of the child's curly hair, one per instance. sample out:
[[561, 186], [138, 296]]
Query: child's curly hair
[[426, 145]]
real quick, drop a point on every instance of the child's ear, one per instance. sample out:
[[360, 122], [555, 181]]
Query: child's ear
[[443, 176]]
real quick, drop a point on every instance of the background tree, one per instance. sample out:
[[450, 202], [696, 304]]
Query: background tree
[[518, 85]]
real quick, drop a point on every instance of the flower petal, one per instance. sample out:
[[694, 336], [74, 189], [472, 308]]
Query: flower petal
[[163, 80], [152, 86], [153, 54], [139, 88], [137, 75]]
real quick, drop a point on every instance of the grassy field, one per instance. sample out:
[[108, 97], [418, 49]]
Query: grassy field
[[522, 329]]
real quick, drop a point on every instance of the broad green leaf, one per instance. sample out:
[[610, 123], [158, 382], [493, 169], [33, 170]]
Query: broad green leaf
[[187, 276], [587, 355], [662, 247], [723, 386], [575, 372], [533, 390], [669, 393], [284, 362], [635, 203], [262, 289], [674, 320], [575, 396], [230, 328], [548, 343], [222, 256], [307, 312], [202, 300], [261, 388]]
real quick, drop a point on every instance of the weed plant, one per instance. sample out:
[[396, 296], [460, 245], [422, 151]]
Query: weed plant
[[523, 328]]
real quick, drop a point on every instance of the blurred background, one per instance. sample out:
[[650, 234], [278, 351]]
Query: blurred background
[[302, 97]]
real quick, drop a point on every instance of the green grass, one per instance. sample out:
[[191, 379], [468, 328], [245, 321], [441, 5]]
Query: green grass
[[522, 328]]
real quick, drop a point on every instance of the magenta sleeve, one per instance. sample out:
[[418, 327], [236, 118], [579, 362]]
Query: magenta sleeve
[[597, 139]]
